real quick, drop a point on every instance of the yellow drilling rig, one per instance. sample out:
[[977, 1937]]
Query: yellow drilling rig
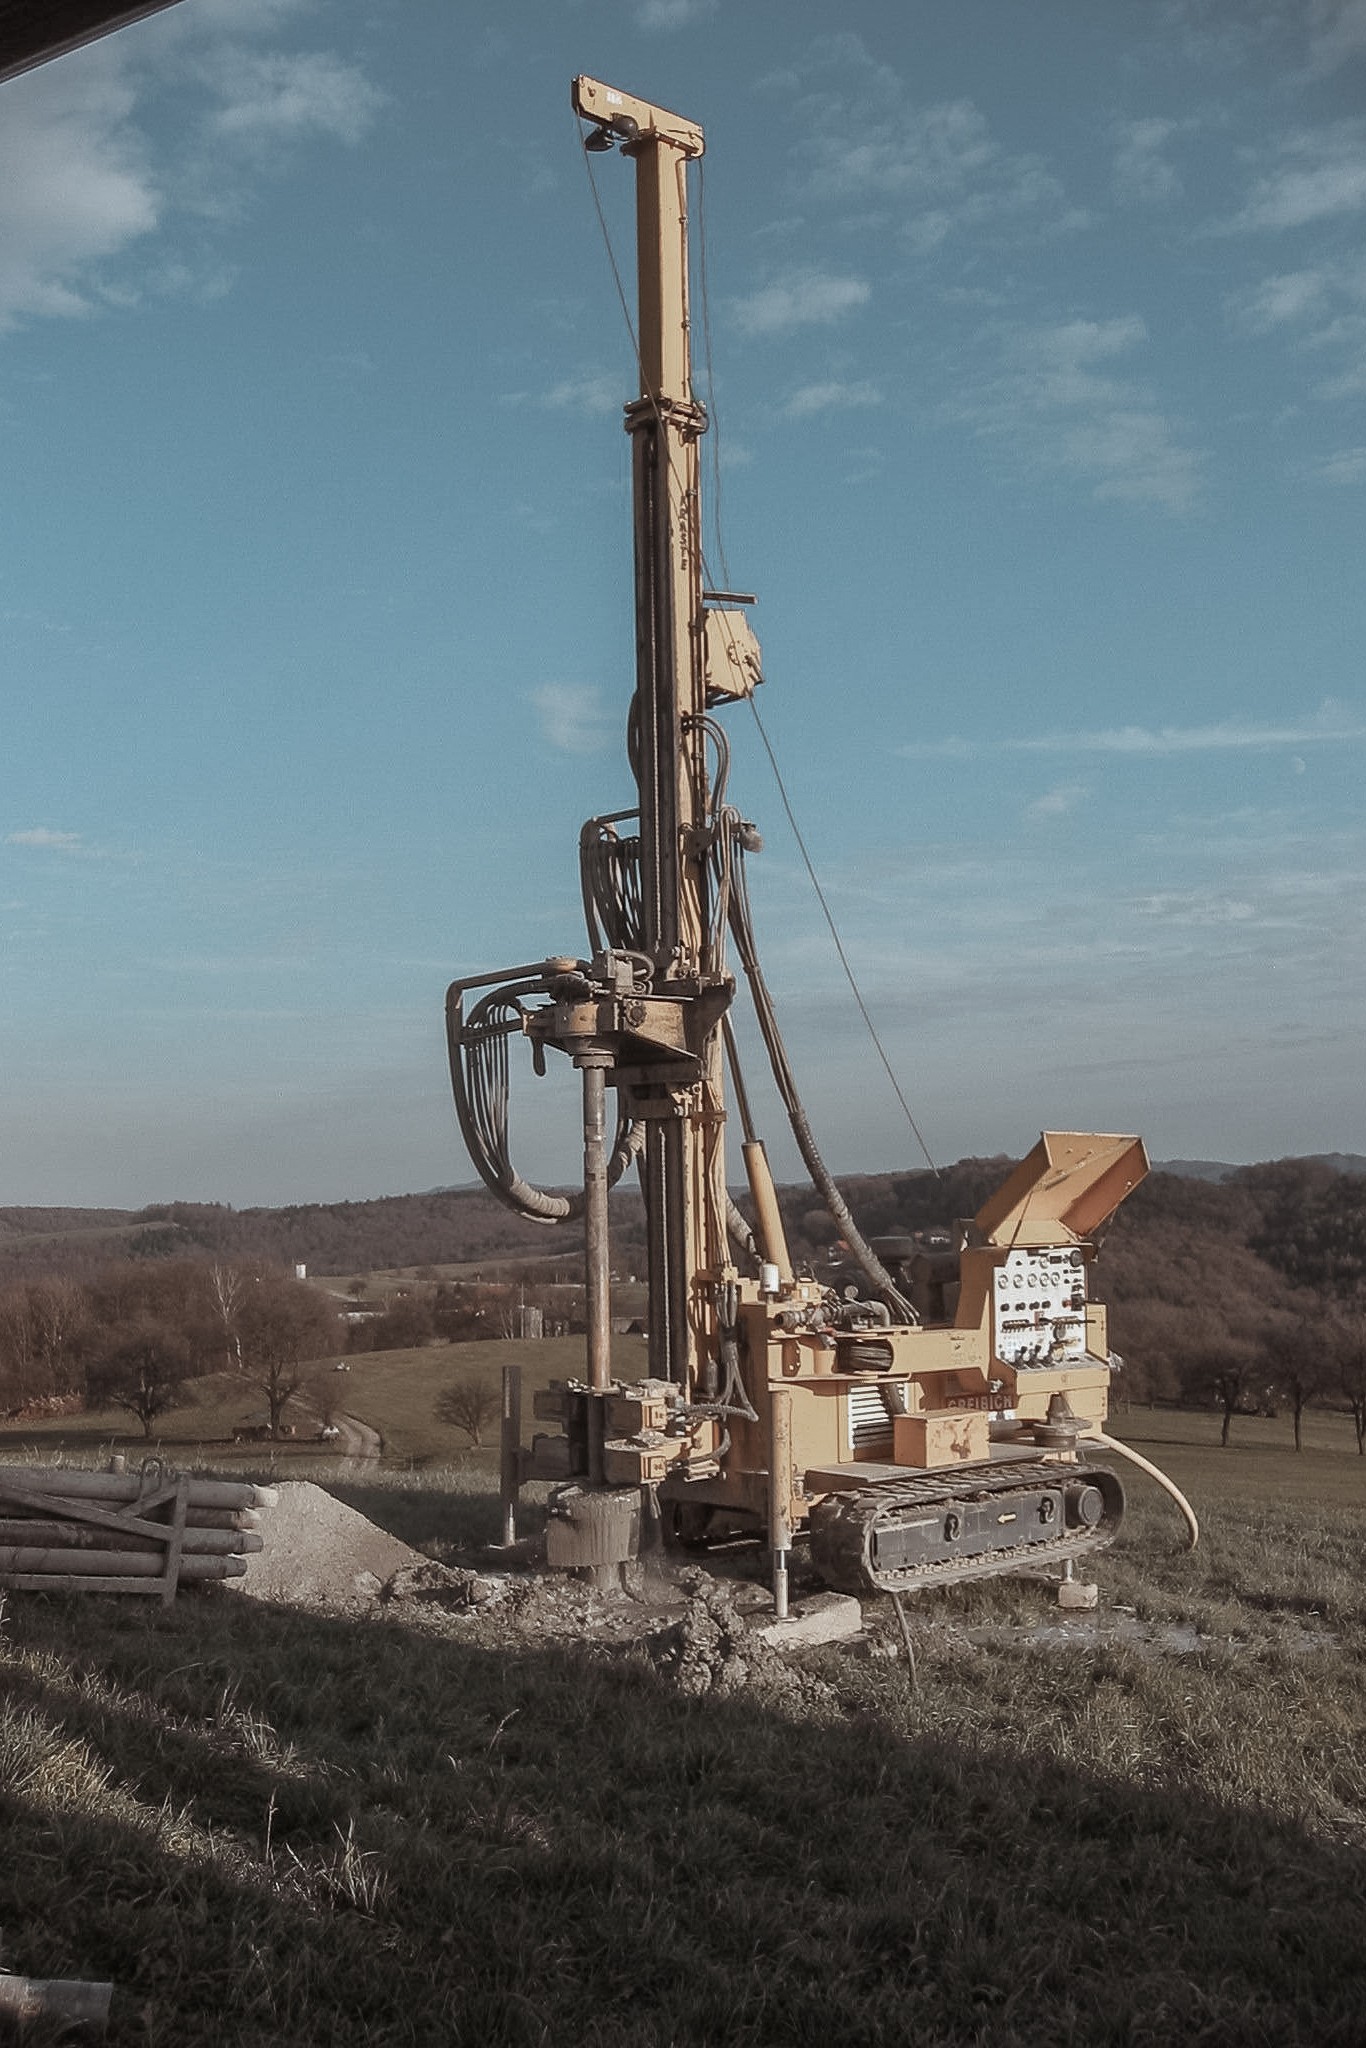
[[926, 1424]]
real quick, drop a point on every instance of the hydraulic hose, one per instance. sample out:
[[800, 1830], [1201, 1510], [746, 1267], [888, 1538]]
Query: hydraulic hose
[[822, 1179], [1111, 1443]]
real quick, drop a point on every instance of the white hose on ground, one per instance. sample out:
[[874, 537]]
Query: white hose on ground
[[1111, 1443]]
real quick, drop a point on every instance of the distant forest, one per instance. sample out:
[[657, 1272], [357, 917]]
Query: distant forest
[[1246, 1290]]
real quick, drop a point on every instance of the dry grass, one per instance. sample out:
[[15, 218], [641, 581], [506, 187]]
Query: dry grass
[[269, 1827], [394, 1391]]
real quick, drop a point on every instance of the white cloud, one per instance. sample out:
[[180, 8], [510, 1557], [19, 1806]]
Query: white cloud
[[573, 718], [1323, 313], [75, 187], [81, 185], [1229, 737], [1332, 725], [275, 96], [595, 395], [1142, 171], [1347, 466], [1059, 401], [832, 396], [1278, 301], [1320, 176], [865, 137], [657, 15], [1056, 803], [45, 836], [807, 298], [1195, 907], [1338, 34]]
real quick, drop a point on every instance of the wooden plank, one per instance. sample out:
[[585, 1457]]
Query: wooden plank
[[31, 1561], [171, 1576], [125, 1522], [34, 1529], [129, 1486], [71, 2001]]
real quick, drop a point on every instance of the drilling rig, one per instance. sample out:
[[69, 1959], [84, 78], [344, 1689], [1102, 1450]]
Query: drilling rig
[[925, 1424]]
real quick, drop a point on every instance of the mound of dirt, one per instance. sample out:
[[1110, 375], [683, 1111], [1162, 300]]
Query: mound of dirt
[[714, 1648], [320, 1553]]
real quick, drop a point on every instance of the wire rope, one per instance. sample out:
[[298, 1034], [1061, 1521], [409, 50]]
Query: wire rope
[[721, 862], [709, 372]]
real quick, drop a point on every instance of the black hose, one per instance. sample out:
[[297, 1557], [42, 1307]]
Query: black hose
[[822, 1180], [477, 1046]]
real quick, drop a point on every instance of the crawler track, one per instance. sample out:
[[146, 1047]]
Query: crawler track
[[943, 1528]]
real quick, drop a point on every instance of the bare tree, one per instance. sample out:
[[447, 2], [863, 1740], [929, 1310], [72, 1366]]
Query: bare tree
[[469, 1404], [58, 1313], [1225, 1366], [143, 1367], [284, 1326], [1350, 1353], [1299, 1347], [18, 1343], [227, 1288]]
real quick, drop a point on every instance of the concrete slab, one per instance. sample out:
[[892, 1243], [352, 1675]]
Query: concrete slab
[[824, 1618]]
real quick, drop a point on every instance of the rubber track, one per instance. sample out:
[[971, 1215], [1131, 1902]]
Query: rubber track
[[843, 1523]]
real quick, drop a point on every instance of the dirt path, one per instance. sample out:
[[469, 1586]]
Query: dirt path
[[354, 1438], [357, 1440]]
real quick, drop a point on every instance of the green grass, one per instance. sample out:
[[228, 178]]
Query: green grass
[[1260, 1462]]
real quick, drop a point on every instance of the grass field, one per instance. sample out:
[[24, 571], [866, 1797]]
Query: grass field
[[271, 1827], [394, 1391]]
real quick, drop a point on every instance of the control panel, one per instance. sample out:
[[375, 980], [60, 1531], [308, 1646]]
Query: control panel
[[1039, 1307]]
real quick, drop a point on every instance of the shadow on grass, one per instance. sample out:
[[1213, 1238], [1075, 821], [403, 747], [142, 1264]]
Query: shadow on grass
[[455, 1513], [269, 1827]]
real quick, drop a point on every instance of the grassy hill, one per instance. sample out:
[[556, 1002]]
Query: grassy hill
[[1146, 1827]]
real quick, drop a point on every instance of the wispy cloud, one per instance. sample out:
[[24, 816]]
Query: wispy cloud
[[45, 836], [866, 137], [85, 193], [832, 396], [1320, 174], [1199, 907], [1338, 33], [1059, 399], [1321, 311], [1056, 803], [1142, 171], [277, 96], [658, 16], [1333, 725], [595, 394], [1305, 39], [804, 298], [573, 718], [1282, 300], [1346, 466], [76, 188]]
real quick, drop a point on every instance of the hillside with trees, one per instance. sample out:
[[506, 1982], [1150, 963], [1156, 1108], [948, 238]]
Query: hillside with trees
[[1246, 1293]]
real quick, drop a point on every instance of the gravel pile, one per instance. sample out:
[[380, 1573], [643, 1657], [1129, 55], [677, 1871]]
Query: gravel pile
[[320, 1553]]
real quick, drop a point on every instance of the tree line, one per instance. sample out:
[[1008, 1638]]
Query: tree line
[[1246, 1293], [135, 1335]]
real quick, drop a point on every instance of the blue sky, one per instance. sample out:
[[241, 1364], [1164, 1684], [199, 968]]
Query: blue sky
[[1039, 344]]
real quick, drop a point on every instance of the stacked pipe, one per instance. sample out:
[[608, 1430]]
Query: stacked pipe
[[124, 1532]]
